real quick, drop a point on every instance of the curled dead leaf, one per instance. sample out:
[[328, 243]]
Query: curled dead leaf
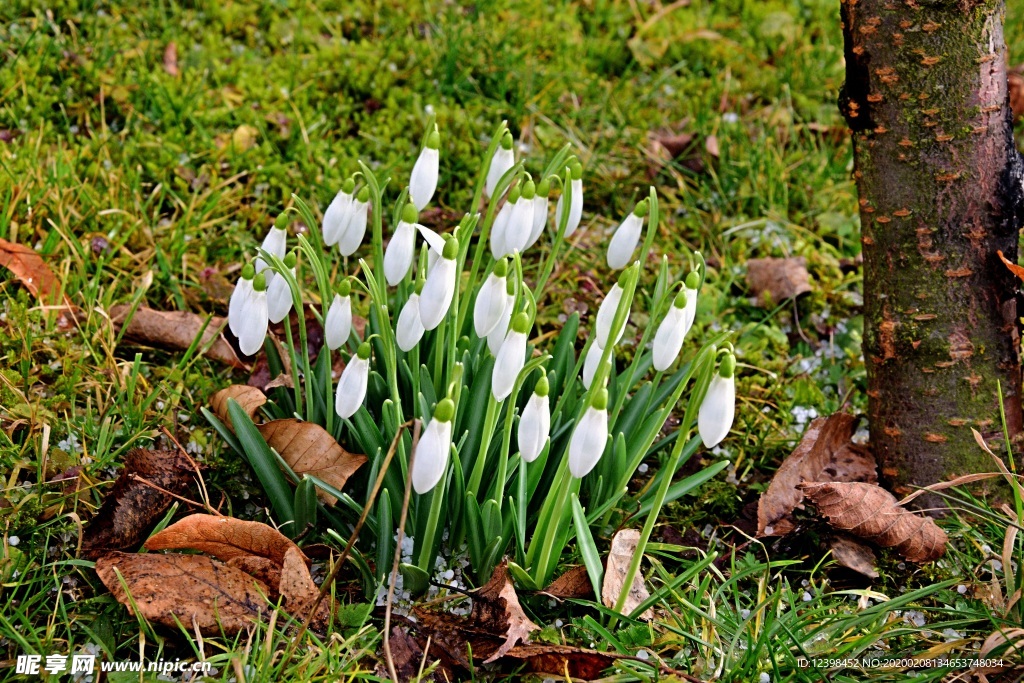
[[308, 448], [496, 603], [574, 583], [225, 538], [32, 272], [299, 591], [564, 660], [175, 331], [852, 554], [263, 569], [773, 280], [1011, 266], [249, 398], [624, 545], [1004, 643], [872, 513]]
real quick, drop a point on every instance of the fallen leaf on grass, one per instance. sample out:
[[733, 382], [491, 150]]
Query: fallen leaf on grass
[[168, 589], [624, 545], [132, 506], [308, 448], [299, 591], [31, 270], [225, 538], [852, 554], [406, 654], [1005, 643], [575, 583], [824, 454], [872, 513], [496, 603], [175, 331], [249, 398], [171, 59], [564, 660], [264, 570], [773, 280]]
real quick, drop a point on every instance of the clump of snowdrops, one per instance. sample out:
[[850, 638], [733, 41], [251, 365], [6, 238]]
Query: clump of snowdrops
[[527, 442]]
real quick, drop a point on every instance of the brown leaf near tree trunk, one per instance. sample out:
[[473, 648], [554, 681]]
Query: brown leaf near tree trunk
[[249, 398], [1013, 267], [175, 331], [132, 506], [575, 583], [852, 554], [825, 453], [218, 598], [624, 545], [226, 538], [31, 271], [308, 448], [299, 591], [872, 513], [773, 280]]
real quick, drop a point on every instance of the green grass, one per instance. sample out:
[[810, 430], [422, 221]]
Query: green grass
[[138, 185]]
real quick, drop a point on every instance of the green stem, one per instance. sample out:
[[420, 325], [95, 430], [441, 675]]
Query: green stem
[[490, 420], [426, 555]]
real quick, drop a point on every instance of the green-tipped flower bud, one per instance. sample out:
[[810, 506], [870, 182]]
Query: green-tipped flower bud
[[600, 400], [542, 387], [501, 268], [282, 221], [510, 286], [290, 259], [364, 194], [345, 288], [364, 350], [409, 213], [642, 207], [451, 249], [349, 185], [544, 188], [728, 366], [529, 190], [576, 170], [506, 140], [693, 280], [248, 271], [514, 194], [445, 410], [680, 300], [521, 322], [259, 283], [434, 139]]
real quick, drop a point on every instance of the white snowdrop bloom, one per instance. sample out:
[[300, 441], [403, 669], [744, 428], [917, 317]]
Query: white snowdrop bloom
[[591, 363], [276, 243], [535, 423], [352, 385], [499, 227], [520, 222], [439, 288], [279, 294], [576, 206], [423, 181], [409, 329], [241, 293], [540, 212], [496, 336], [626, 237], [491, 300], [589, 437], [338, 322], [606, 316], [431, 457], [511, 357], [402, 247], [355, 229], [436, 243], [668, 340], [337, 214], [715, 417], [254, 317], [504, 159]]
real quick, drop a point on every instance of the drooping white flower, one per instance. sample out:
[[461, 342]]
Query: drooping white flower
[[718, 409], [504, 159], [576, 205], [338, 322], [626, 237], [430, 461], [409, 329], [436, 243], [276, 243], [606, 316], [592, 362], [254, 317], [279, 294], [440, 286], [511, 357], [352, 385], [590, 436], [423, 180], [354, 229], [496, 337], [500, 226], [520, 221], [491, 300], [402, 247], [338, 213], [668, 340], [535, 423], [540, 212], [240, 295]]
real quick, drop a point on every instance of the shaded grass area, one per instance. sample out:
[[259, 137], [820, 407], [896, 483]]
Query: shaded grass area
[[142, 185]]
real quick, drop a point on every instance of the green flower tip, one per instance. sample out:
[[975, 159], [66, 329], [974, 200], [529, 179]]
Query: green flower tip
[[434, 139], [348, 186], [506, 140], [419, 285], [642, 208], [728, 366], [248, 271], [445, 410], [409, 213], [290, 259], [501, 268], [514, 194], [542, 387], [693, 280], [600, 400], [345, 288], [521, 323], [529, 190], [451, 249], [281, 222], [510, 286], [623, 278], [364, 194], [680, 301], [259, 283], [576, 170], [544, 188], [364, 351]]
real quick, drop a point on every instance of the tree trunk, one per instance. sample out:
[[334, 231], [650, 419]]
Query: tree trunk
[[939, 180]]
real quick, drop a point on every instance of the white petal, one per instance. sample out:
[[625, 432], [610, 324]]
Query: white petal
[[279, 299], [399, 254], [501, 162], [714, 419], [520, 224], [241, 293], [540, 218], [588, 442], [253, 324], [352, 387], [338, 323], [409, 329], [489, 305], [606, 316], [336, 218], [423, 180], [354, 231], [431, 458], [498, 230], [591, 363], [509, 362], [534, 427], [433, 240], [624, 241], [576, 210], [496, 337], [274, 243], [691, 307], [668, 340], [437, 294]]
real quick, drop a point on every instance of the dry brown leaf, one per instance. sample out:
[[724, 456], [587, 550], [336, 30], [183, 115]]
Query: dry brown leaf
[[1004, 643], [132, 506], [871, 513], [171, 59], [773, 280], [217, 597], [565, 660], [308, 448], [249, 398], [406, 654], [263, 569], [624, 544], [825, 453], [175, 331], [225, 538], [575, 583], [852, 554], [1013, 267], [31, 271], [496, 603], [299, 591]]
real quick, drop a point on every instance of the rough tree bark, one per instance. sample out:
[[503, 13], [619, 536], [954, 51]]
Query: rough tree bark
[[939, 181]]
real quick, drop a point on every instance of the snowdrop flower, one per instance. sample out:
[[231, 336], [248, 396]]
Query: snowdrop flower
[[279, 294], [606, 315], [276, 243], [592, 362], [439, 288], [668, 340], [520, 221], [535, 423], [241, 293], [434, 241], [540, 211], [500, 226], [253, 317], [423, 180], [338, 322], [511, 357], [589, 437], [337, 215], [504, 159], [409, 329], [496, 336], [431, 457], [627, 236], [354, 229], [714, 419], [352, 385], [399, 254], [576, 204], [490, 300]]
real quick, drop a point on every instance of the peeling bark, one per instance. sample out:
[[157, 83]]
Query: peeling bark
[[939, 181]]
